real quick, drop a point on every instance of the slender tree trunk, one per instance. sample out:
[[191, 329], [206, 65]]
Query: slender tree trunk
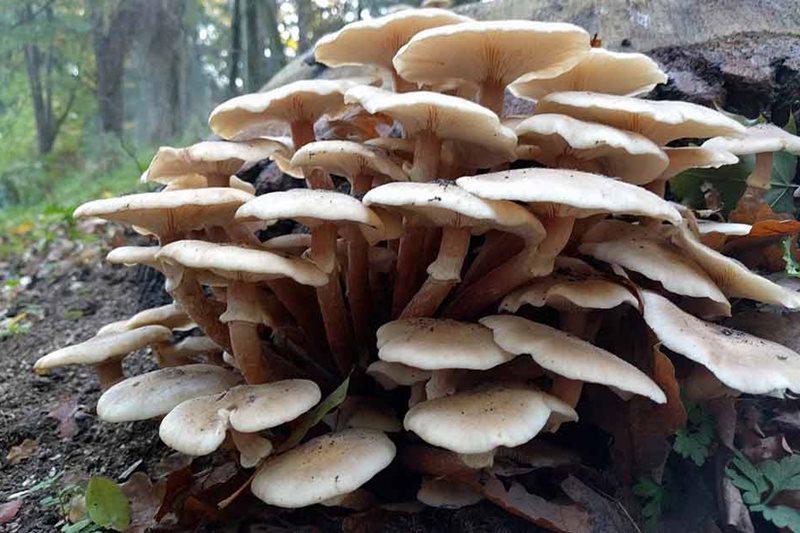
[[236, 46], [277, 57], [256, 62]]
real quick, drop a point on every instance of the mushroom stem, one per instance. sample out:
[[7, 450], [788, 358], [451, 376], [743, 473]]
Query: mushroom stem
[[243, 328], [401, 85], [190, 296], [762, 172], [498, 246], [408, 255], [493, 97], [568, 390], [358, 291], [443, 274], [577, 322], [302, 133], [329, 296], [302, 308], [109, 372], [658, 187], [427, 152]]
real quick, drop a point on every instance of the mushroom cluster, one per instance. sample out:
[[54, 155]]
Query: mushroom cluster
[[443, 253]]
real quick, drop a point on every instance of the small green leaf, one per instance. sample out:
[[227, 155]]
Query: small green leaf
[[693, 441], [312, 418], [782, 516], [106, 504]]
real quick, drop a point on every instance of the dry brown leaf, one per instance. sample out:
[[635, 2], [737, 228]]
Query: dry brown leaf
[[734, 513], [64, 412], [9, 510], [518, 501], [145, 499], [21, 451], [607, 514]]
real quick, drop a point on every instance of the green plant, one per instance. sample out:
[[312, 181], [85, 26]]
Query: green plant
[[656, 499], [693, 441], [761, 484], [13, 326], [792, 265], [98, 506]]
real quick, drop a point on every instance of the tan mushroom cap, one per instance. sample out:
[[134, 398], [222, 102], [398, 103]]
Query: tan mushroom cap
[[732, 277], [569, 356], [134, 255], [103, 348], [566, 294], [609, 151], [347, 159], [491, 52], [757, 139], [376, 41], [482, 419], [169, 212], [559, 192], [740, 360], [433, 344], [447, 204], [171, 316], [212, 158], [323, 468], [602, 71], [198, 426], [704, 227], [447, 117], [156, 393], [239, 264], [392, 375], [660, 121], [447, 494], [687, 157], [662, 262], [305, 100]]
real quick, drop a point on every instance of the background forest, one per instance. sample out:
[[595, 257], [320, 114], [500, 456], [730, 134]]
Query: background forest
[[89, 88]]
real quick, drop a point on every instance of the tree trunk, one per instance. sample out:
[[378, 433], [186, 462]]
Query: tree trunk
[[277, 57], [236, 46], [256, 62]]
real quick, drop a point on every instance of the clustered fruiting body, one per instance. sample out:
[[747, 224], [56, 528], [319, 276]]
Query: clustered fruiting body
[[401, 279]]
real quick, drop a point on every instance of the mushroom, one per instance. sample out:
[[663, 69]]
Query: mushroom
[[460, 213], [134, 255], [323, 468], [216, 161], [392, 375], [660, 121], [198, 426], [156, 393], [600, 70], [491, 55], [243, 268], [196, 349], [366, 413], [104, 352], [565, 142], [570, 357], [376, 41], [323, 212], [482, 419], [740, 360], [170, 316]]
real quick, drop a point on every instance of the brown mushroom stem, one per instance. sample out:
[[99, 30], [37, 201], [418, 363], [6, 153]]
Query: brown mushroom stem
[[445, 273], [658, 187], [109, 372], [408, 256], [498, 247], [427, 152], [493, 97], [330, 298], [521, 268], [762, 172], [190, 296], [568, 390], [245, 342], [302, 133], [299, 301], [164, 357], [436, 462], [402, 85], [358, 290]]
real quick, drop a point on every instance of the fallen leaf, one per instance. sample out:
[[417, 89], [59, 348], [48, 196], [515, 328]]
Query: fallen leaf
[[735, 515], [518, 501], [65, 412], [607, 514], [724, 412], [106, 504], [21, 451], [145, 500], [9, 510]]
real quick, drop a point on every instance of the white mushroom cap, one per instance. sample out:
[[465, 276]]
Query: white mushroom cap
[[103, 348], [447, 117], [376, 41], [596, 147], [212, 158], [559, 192], [237, 263], [662, 262], [496, 52], [134, 255], [156, 393], [170, 316], [347, 159], [392, 375], [660, 121], [323, 468], [446, 204], [198, 426], [249, 115], [740, 360], [480, 420], [169, 211], [570, 356], [600, 70], [432, 344], [757, 139], [687, 157], [447, 494], [734, 229], [566, 294]]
